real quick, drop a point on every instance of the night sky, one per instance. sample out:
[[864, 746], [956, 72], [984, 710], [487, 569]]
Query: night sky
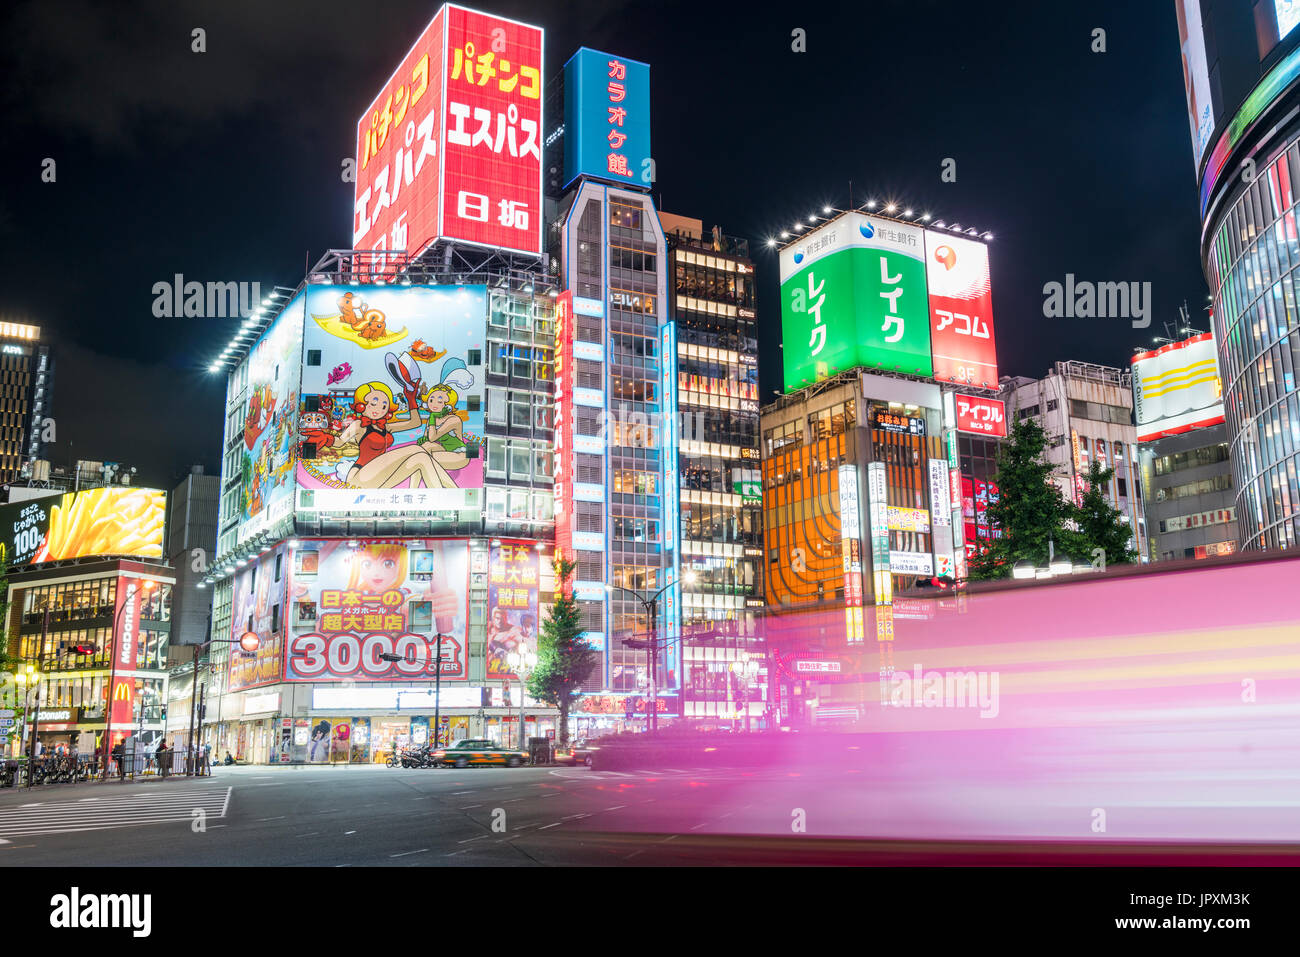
[[224, 166]]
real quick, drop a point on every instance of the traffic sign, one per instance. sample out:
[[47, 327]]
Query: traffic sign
[[6, 712]]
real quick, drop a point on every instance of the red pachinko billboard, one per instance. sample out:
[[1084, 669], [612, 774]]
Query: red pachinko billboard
[[564, 424], [451, 147], [492, 182], [981, 416], [961, 310]]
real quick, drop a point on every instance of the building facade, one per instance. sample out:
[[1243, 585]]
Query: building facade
[[712, 303], [858, 473], [97, 632], [26, 399], [1087, 412], [1190, 499], [1241, 65], [436, 545]]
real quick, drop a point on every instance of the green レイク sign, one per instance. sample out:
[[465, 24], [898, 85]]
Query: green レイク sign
[[853, 294]]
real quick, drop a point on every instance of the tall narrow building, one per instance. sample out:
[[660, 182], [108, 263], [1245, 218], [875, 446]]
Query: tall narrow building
[[713, 307], [26, 399]]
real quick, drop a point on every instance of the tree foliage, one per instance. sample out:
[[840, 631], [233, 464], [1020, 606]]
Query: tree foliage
[[1101, 525], [564, 659]]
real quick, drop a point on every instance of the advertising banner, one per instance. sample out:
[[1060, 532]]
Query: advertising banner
[[1196, 76], [492, 177], [853, 294], [378, 598], [452, 145], [270, 446], [564, 371], [961, 309], [258, 605], [1176, 388], [512, 603], [117, 520], [606, 118], [392, 404], [981, 416]]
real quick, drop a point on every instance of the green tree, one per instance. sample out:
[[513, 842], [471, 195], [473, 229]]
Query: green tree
[[1099, 523], [564, 659], [1030, 510]]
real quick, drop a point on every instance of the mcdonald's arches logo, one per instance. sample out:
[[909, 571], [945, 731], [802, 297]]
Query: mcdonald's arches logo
[[122, 691]]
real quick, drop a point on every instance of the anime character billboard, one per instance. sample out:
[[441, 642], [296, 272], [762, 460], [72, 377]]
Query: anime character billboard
[[512, 604], [270, 447], [392, 405], [257, 605], [351, 604]]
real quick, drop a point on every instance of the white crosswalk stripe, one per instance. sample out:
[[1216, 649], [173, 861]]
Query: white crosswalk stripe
[[116, 810]]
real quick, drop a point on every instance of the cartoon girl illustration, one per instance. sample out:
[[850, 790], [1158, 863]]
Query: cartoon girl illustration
[[378, 465], [318, 749], [377, 569], [444, 438]]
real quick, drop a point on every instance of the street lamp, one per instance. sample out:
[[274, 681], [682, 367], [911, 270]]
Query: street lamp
[[248, 643], [523, 663], [437, 684], [746, 669], [651, 643]]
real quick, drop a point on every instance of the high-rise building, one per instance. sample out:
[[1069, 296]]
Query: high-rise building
[[713, 307], [387, 472], [1087, 412], [656, 422], [1240, 63], [26, 399]]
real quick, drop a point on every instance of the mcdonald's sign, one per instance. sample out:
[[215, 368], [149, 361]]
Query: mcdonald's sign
[[123, 704]]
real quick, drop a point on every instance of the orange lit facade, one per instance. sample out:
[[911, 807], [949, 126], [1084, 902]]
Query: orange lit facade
[[858, 505]]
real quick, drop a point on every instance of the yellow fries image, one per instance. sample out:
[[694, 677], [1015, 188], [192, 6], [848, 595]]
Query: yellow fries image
[[106, 521]]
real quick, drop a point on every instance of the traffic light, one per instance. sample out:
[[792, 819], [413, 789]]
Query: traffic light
[[164, 712]]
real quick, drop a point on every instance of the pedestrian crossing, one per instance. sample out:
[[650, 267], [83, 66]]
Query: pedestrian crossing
[[126, 808]]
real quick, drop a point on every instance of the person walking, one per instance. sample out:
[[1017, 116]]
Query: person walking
[[161, 756], [118, 753]]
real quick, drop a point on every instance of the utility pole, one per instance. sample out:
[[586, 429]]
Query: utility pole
[[437, 696]]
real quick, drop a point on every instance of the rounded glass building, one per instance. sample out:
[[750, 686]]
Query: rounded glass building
[[1244, 109]]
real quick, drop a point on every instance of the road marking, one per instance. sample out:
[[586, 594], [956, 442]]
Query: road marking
[[469, 839], [346, 833], [261, 819], [556, 824], [632, 855], [454, 793], [405, 853], [616, 807], [574, 817], [698, 826], [468, 807], [122, 809]]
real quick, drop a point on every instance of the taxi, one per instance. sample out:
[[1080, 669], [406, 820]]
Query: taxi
[[477, 752]]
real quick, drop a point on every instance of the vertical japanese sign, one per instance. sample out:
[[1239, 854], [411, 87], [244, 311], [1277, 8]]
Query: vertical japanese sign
[[878, 511], [853, 295], [451, 146], [671, 499], [397, 197], [564, 367], [961, 309], [981, 416], [512, 603], [851, 552], [941, 518], [492, 166], [607, 118]]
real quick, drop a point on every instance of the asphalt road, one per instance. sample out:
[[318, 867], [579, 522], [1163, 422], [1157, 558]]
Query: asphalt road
[[376, 816]]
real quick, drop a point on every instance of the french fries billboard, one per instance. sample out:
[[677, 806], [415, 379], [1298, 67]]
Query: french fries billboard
[[117, 520]]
